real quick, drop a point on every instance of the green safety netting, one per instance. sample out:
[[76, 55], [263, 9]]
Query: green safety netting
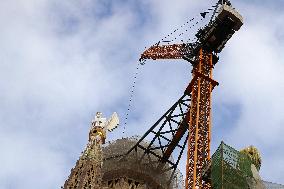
[[230, 168]]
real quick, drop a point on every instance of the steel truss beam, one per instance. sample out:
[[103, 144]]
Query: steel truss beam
[[169, 133]]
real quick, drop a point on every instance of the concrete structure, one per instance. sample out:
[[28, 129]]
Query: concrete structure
[[87, 173], [106, 166], [139, 173]]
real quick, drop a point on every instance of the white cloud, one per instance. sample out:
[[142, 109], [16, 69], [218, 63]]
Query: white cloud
[[251, 71], [60, 62]]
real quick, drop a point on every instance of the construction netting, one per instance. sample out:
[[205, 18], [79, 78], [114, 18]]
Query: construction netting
[[230, 168], [135, 167]]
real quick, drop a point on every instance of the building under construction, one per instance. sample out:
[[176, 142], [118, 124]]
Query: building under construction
[[140, 163], [108, 168]]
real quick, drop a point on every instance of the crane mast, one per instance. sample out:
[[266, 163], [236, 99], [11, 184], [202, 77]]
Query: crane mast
[[198, 152], [203, 56]]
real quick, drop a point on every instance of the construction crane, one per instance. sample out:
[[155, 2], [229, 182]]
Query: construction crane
[[194, 107]]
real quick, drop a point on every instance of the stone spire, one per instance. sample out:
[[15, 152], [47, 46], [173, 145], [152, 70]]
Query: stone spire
[[87, 173]]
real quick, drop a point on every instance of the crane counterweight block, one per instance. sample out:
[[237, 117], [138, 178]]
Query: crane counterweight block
[[215, 35]]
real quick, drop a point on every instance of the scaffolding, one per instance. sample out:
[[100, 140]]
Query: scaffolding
[[230, 169]]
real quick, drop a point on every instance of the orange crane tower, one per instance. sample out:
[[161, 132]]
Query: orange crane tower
[[203, 56]]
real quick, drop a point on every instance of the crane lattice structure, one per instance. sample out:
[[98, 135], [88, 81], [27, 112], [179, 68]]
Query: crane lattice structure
[[191, 114]]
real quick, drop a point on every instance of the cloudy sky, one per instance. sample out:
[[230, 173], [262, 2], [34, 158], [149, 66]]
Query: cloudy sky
[[62, 61]]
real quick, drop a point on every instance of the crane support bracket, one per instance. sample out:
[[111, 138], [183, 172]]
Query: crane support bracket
[[198, 75]]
